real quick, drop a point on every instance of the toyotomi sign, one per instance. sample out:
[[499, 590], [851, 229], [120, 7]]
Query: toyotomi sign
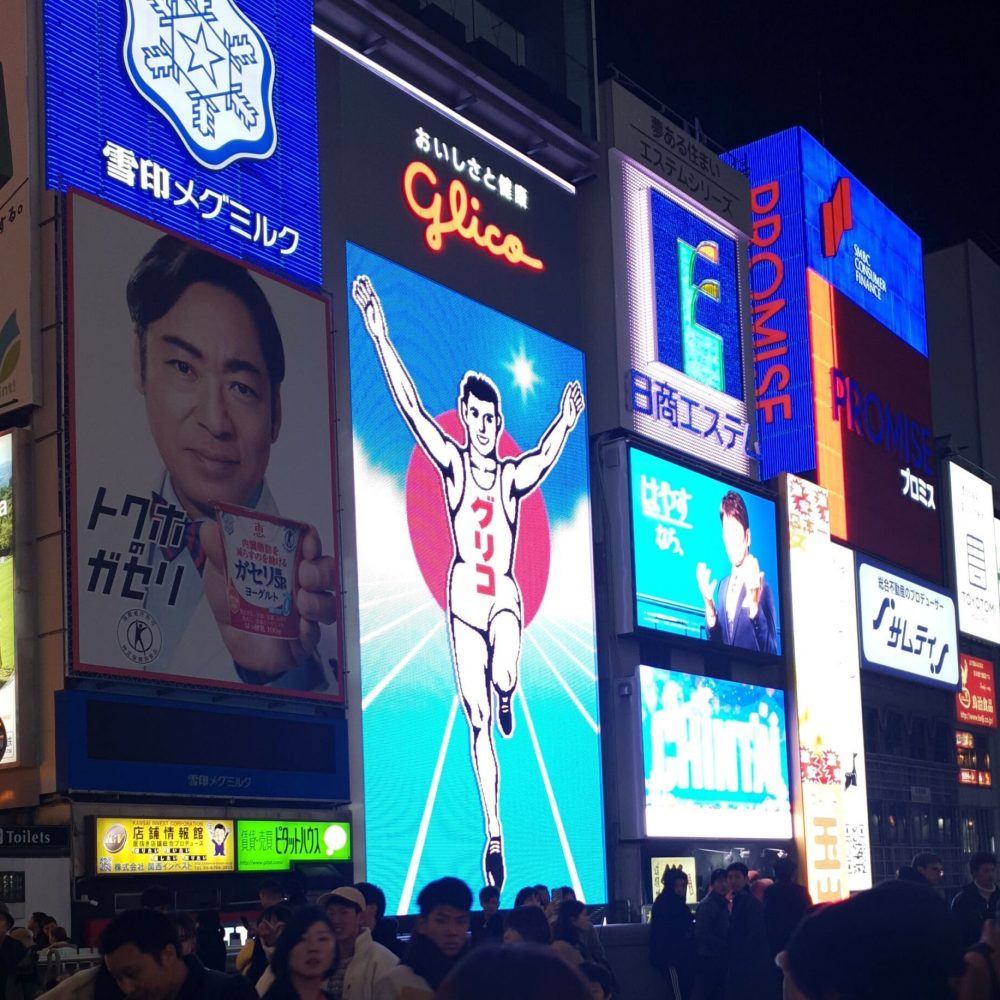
[[975, 555]]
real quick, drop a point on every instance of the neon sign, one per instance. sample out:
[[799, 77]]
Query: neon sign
[[459, 217]]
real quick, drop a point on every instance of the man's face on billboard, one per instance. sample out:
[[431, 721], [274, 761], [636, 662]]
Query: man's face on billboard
[[208, 398], [481, 425], [736, 539]]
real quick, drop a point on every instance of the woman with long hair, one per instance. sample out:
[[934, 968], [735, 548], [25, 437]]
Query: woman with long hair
[[303, 957]]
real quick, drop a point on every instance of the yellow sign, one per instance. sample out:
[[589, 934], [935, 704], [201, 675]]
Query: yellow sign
[[659, 865], [154, 846]]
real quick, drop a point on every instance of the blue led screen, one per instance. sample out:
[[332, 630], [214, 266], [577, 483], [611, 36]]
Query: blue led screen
[[199, 116]]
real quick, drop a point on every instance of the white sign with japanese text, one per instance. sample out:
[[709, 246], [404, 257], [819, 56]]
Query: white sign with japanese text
[[907, 626], [975, 556]]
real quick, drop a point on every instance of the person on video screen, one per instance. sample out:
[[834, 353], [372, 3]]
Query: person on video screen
[[744, 613], [209, 362], [483, 493]]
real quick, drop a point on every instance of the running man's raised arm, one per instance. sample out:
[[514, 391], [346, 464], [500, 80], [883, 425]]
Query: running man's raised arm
[[533, 466], [440, 449]]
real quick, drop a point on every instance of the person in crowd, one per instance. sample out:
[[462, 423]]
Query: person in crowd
[[591, 939], [439, 942], [759, 884], [895, 940], [155, 897], [785, 904], [303, 958], [527, 972], [527, 924], [671, 938], [360, 961], [36, 925], [748, 971], [60, 948], [598, 980], [907, 873], [569, 937], [487, 925], [385, 930], [12, 952], [270, 893], [187, 931], [977, 901], [270, 924], [981, 980], [142, 952], [929, 867], [711, 936], [526, 897], [210, 940]]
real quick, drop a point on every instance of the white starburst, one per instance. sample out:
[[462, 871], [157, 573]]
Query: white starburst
[[522, 368]]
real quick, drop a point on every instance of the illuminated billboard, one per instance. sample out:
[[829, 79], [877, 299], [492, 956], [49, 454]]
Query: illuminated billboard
[[478, 666], [874, 443], [8, 645], [812, 216], [974, 554], [201, 118], [273, 845], [716, 762], [975, 702], [162, 846], [683, 280], [705, 557], [202, 466], [834, 797], [908, 627]]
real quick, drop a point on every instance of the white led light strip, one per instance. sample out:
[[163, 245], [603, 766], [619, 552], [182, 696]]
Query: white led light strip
[[443, 109]]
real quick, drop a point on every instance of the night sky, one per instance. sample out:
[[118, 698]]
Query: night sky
[[907, 98]]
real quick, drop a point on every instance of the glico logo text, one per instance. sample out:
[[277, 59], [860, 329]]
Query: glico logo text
[[459, 216], [872, 418]]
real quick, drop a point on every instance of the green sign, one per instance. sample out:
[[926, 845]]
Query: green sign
[[266, 845]]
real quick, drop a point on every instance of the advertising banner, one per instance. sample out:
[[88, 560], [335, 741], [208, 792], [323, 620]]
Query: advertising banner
[[874, 442], [716, 761], [706, 563], [907, 626], [201, 117], [975, 702], [659, 865], [8, 645], [17, 328], [266, 845], [196, 385], [478, 666], [975, 557], [163, 846], [828, 699], [684, 323]]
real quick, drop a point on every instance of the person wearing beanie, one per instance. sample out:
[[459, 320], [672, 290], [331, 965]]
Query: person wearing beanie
[[438, 944]]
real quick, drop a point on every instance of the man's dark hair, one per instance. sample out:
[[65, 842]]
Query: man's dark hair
[[156, 898], [372, 894], [295, 930], [979, 859], [278, 912], [523, 896], [924, 859], [149, 930], [671, 877], [481, 386], [271, 885], [447, 891], [170, 267], [785, 869], [717, 873], [733, 505], [183, 923], [488, 892], [738, 866], [530, 923], [219, 826]]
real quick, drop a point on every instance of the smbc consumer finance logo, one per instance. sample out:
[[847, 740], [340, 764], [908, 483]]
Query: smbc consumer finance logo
[[206, 67]]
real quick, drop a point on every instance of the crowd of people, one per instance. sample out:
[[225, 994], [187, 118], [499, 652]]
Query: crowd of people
[[749, 938]]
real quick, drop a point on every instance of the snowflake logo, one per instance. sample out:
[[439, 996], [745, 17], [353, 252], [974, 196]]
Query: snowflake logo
[[206, 67]]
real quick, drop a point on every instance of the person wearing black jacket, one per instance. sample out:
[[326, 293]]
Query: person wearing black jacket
[[671, 940], [11, 951], [977, 902], [748, 974], [711, 936]]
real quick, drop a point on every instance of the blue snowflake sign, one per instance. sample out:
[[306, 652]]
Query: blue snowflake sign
[[209, 71], [197, 114]]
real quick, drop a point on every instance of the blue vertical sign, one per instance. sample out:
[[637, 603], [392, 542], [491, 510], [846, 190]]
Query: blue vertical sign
[[197, 114]]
